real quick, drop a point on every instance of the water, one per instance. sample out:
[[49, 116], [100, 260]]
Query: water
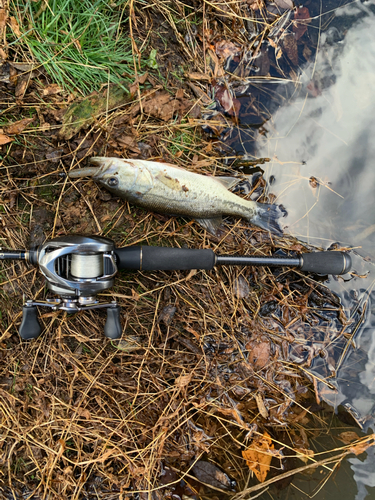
[[319, 139]]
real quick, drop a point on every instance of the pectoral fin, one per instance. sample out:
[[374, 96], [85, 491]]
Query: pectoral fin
[[210, 225]]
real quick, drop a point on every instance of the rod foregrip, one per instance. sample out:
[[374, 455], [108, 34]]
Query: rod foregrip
[[164, 258], [325, 262]]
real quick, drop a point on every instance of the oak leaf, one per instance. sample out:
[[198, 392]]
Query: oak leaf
[[258, 457]]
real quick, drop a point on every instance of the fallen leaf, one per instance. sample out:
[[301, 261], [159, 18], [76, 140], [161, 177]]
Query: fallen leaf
[[183, 380], [258, 457], [21, 87], [199, 76], [164, 106], [259, 354], [284, 4], [3, 18], [260, 403], [301, 20], [211, 475], [4, 139], [167, 314], [361, 447], [128, 142], [18, 127], [348, 437], [230, 104], [241, 288], [52, 89], [83, 412], [226, 49], [15, 27], [290, 47]]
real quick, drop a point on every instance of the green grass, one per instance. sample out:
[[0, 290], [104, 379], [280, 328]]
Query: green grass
[[81, 44]]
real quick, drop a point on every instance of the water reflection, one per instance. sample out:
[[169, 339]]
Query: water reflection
[[322, 149]]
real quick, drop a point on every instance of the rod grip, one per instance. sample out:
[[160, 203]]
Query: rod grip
[[164, 258], [326, 262]]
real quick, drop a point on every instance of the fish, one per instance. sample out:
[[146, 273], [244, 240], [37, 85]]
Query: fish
[[168, 189]]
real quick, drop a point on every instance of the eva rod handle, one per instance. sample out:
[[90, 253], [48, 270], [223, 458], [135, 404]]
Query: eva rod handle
[[164, 258], [326, 262]]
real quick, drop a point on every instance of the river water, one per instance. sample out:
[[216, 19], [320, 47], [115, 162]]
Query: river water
[[321, 147]]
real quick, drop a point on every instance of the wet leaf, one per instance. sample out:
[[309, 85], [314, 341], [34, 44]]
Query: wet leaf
[[284, 4], [348, 437], [211, 475], [259, 354], [167, 314], [21, 87], [241, 288], [258, 457], [301, 20], [291, 49], [230, 104], [18, 127], [4, 139], [361, 447], [226, 49]]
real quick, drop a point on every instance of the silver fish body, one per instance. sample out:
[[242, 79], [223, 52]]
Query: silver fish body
[[165, 188]]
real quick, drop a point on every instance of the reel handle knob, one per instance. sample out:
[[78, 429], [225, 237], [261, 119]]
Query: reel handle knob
[[112, 327], [30, 327]]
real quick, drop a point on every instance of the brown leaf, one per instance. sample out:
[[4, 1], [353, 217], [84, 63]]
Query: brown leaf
[[301, 20], [4, 139], [259, 354], [21, 87], [241, 288], [199, 76], [52, 89], [291, 49], [3, 18], [348, 437], [164, 106], [84, 412], [167, 314], [14, 26], [18, 127], [183, 380], [226, 49], [362, 446], [128, 142], [230, 104], [258, 457], [211, 475]]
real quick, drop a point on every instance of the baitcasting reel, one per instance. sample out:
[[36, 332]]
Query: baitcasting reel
[[77, 268]]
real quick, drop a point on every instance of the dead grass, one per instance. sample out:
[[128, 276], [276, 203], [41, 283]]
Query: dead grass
[[208, 360]]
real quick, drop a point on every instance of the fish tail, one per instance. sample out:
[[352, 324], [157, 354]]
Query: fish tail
[[267, 217]]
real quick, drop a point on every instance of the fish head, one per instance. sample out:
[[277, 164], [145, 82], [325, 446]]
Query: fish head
[[117, 175]]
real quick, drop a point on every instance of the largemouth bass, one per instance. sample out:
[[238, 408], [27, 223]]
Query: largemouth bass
[[165, 188]]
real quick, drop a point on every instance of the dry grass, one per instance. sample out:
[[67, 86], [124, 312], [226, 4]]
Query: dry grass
[[82, 417]]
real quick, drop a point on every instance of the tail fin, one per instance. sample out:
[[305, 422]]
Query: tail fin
[[267, 218]]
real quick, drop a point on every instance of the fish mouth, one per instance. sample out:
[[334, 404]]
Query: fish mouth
[[93, 172], [101, 166]]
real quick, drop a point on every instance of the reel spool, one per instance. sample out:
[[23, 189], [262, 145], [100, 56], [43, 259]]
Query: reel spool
[[76, 268]]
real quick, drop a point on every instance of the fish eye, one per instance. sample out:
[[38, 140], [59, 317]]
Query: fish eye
[[112, 181]]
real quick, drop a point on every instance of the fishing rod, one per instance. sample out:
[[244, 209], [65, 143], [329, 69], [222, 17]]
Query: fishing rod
[[77, 268]]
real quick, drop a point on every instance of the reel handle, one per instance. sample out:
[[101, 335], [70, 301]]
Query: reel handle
[[30, 327]]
